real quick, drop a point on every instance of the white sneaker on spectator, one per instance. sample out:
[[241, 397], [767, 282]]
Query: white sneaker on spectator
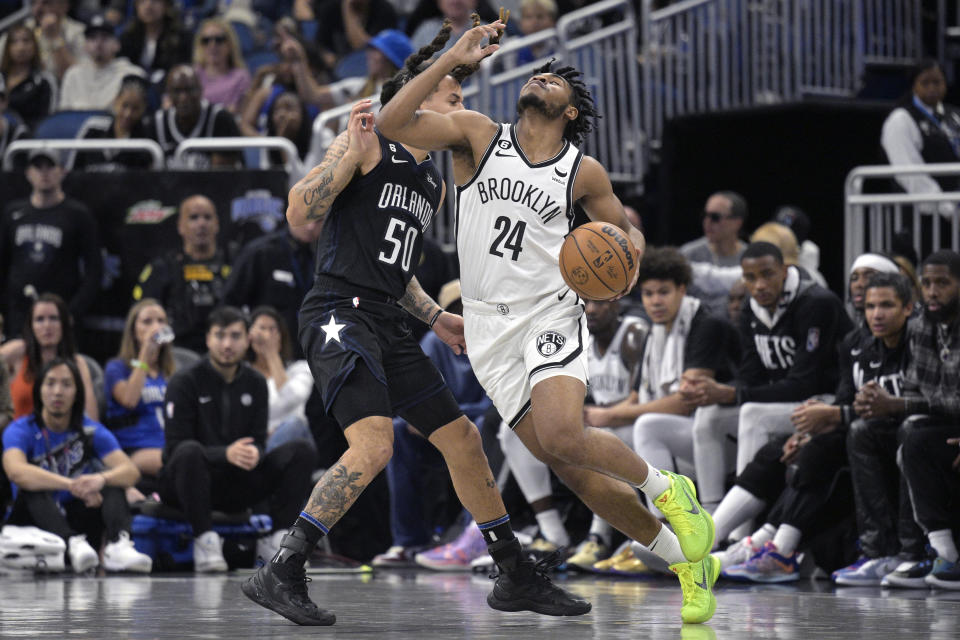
[[123, 556], [268, 546], [208, 553], [736, 553], [82, 555]]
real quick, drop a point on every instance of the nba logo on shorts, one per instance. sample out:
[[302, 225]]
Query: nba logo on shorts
[[549, 342]]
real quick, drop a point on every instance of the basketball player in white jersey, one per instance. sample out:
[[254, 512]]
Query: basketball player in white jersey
[[523, 327]]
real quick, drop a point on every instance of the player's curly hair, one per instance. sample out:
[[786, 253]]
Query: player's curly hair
[[419, 60], [665, 263], [581, 98]]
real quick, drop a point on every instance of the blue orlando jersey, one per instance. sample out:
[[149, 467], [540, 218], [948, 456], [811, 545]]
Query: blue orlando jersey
[[373, 234], [69, 454], [141, 426]]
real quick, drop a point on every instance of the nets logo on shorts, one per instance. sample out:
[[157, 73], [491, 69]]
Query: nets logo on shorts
[[549, 342]]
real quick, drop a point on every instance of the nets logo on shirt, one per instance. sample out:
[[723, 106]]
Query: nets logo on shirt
[[550, 342]]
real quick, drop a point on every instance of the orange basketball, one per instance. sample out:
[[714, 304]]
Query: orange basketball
[[598, 261]]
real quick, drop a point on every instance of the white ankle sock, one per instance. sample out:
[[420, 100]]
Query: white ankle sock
[[942, 543], [655, 484], [738, 506], [551, 527], [786, 539], [602, 529], [666, 545], [763, 535]]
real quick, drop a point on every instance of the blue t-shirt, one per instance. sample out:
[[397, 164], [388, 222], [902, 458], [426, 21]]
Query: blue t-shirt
[[60, 453], [142, 426]]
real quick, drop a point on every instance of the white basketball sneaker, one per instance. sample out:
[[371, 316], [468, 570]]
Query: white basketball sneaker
[[82, 556], [123, 556], [208, 553]]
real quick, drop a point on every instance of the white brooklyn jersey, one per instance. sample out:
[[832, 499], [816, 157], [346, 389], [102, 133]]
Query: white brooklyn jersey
[[512, 217], [609, 378]]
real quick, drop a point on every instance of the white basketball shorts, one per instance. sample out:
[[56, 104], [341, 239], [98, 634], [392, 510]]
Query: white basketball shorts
[[511, 349]]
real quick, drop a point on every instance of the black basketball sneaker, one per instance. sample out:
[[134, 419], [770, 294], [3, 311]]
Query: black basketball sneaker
[[283, 588], [527, 588]]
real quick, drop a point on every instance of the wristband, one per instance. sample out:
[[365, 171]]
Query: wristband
[[140, 364], [433, 320]]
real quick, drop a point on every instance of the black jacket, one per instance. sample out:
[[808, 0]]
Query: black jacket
[[201, 406], [796, 358], [864, 358]]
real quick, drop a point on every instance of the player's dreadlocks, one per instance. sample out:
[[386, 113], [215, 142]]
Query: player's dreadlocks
[[420, 60], [585, 122]]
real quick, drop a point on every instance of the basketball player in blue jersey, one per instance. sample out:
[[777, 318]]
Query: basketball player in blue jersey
[[376, 197], [523, 327]]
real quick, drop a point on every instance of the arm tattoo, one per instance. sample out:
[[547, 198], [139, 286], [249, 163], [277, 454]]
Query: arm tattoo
[[319, 190], [417, 303], [337, 490]]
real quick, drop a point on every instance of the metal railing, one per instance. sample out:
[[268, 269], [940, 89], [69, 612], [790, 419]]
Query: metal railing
[[15, 17], [704, 55], [291, 163], [134, 144], [872, 219]]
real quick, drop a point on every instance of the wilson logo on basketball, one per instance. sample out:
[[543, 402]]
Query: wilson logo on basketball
[[619, 238], [549, 342]]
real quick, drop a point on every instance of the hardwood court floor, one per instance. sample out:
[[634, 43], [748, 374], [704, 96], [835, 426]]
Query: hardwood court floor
[[419, 605]]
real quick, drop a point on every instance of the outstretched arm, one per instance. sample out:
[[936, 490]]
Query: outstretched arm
[[355, 149], [401, 120], [447, 326]]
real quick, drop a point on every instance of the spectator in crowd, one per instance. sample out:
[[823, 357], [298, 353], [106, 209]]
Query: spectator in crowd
[[535, 16], [922, 129], [735, 301], [219, 64], [885, 524], [614, 355], [789, 332], [862, 271], [125, 122], [414, 468], [289, 118], [797, 221], [6, 416], [723, 217], [813, 499], [289, 381], [931, 405], [135, 383], [190, 116], [31, 89], [931, 465], [276, 270], [58, 38], [48, 242], [782, 237], [348, 25], [48, 335], [69, 474], [458, 12], [297, 71], [12, 127], [685, 342], [428, 9], [385, 55], [93, 82], [155, 39], [189, 283], [214, 458]]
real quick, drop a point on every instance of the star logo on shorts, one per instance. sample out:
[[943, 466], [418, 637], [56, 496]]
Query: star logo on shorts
[[332, 329]]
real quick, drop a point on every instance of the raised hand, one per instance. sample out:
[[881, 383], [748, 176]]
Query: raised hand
[[470, 48], [362, 138]]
